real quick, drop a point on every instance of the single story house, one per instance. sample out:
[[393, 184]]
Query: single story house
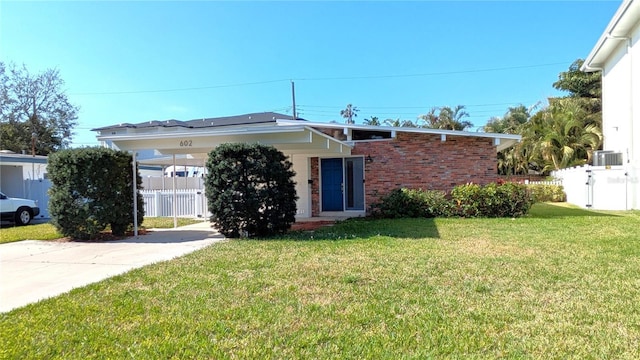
[[341, 169], [613, 183]]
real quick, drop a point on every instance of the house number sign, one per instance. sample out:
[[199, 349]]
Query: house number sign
[[186, 143]]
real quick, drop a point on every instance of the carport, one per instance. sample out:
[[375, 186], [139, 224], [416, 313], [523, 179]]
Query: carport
[[188, 143]]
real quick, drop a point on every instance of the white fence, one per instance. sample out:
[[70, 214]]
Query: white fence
[[601, 187], [188, 203], [544, 182]]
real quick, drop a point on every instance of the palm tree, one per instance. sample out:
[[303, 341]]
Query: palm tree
[[447, 118], [563, 135], [373, 121], [349, 113]]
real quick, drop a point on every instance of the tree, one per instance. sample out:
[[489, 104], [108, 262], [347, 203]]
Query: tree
[[90, 189], [579, 83], [510, 123], [447, 118], [373, 121], [35, 112], [400, 123], [250, 190], [564, 135], [349, 113]]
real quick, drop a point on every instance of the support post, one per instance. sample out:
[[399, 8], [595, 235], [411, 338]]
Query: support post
[[135, 195], [175, 195]]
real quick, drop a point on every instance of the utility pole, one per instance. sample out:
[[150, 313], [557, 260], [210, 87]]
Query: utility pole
[[293, 97]]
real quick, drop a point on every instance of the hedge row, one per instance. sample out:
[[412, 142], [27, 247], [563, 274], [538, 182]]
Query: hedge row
[[470, 200], [547, 193]]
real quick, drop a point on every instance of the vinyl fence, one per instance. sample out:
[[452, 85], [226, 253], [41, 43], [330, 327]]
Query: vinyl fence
[[601, 187], [188, 203]]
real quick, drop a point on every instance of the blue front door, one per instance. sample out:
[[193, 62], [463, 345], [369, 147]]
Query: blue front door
[[332, 184]]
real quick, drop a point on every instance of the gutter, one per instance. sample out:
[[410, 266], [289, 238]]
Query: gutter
[[587, 66]]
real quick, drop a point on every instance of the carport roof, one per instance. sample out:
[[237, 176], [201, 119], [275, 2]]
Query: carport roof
[[245, 119]]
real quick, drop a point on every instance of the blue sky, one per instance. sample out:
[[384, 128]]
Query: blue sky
[[138, 61]]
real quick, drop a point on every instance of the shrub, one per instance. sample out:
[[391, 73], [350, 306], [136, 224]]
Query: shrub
[[492, 200], [470, 200], [411, 203], [92, 188], [547, 193], [250, 190]]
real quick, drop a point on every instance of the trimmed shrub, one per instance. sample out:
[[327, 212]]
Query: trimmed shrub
[[470, 200], [492, 200], [250, 190], [92, 188], [411, 203], [547, 193]]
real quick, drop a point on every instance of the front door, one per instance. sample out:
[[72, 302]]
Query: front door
[[342, 184], [332, 184]]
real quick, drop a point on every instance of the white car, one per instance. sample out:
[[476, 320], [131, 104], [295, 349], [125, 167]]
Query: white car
[[19, 211]]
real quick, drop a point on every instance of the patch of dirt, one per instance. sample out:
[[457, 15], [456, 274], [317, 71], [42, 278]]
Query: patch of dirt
[[310, 225]]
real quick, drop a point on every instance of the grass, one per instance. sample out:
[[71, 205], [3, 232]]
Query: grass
[[561, 283], [48, 232]]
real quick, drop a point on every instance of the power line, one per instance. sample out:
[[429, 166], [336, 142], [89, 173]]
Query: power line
[[318, 79]]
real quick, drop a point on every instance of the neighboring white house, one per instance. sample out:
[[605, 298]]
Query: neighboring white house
[[25, 176], [613, 182]]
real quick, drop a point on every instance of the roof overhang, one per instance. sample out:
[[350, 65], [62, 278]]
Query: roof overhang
[[619, 29], [501, 141], [197, 143]]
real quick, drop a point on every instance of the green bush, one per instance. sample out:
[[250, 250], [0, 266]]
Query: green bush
[[547, 193], [250, 190], [470, 200], [411, 203], [92, 188], [492, 200]]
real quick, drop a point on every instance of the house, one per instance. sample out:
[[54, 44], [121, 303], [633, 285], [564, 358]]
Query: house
[[341, 169], [25, 176], [613, 183]]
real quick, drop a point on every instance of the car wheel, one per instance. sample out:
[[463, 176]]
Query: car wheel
[[23, 216]]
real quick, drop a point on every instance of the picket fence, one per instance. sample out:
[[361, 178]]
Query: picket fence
[[188, 203]]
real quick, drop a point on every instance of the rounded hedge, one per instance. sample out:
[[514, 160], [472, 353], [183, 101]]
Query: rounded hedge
[[92, 188], [250, 190]]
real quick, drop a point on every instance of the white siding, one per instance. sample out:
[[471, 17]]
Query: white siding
[[302, 166]]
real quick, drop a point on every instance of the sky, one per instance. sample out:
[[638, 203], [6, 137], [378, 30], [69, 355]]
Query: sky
[[136, 61]]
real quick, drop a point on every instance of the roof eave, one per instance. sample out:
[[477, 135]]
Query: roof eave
[[609, 39]]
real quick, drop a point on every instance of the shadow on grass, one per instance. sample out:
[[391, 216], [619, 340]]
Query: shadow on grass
[[551, 210], [365, 228]]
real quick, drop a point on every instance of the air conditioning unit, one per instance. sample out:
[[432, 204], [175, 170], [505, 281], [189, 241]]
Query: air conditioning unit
[[607, 158]]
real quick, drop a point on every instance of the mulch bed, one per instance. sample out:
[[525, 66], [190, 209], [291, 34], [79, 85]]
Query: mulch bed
[[311, 225]]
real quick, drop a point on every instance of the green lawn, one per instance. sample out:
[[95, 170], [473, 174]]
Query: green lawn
[[48, 232], [561, 283]]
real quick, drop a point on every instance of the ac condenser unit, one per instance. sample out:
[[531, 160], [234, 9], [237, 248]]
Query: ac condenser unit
[[607, 158]]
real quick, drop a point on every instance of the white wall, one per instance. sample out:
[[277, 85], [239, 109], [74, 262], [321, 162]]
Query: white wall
[[601, 188], [301, 166], [620, 92]]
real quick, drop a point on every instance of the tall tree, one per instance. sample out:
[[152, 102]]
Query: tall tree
[[579, 83], [372, 121], [447, 118], [510, 123], [34, 111], [349, 113], [400, 123]]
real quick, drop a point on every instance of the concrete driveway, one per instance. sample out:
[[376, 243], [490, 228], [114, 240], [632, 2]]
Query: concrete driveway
[[33, 270]]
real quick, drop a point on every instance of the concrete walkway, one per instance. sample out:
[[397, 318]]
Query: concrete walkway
[[33, 270]]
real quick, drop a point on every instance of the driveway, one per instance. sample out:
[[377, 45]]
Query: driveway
[[33, 270]]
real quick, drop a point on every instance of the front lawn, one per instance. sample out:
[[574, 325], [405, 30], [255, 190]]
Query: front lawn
[[560, 283], [47, 231]]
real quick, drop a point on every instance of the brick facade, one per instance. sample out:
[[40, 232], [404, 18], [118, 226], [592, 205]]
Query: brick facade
[[416, 160]]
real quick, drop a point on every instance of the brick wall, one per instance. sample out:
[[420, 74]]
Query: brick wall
[[419, 161], [315, 187]]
